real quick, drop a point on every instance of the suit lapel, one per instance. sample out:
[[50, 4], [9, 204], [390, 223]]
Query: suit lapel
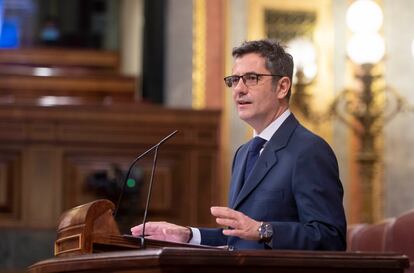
[[266, 161], [238, 174]]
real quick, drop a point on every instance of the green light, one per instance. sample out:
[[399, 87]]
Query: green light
[[131, 183]]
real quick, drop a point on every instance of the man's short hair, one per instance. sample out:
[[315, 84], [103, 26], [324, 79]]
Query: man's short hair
[[277, 60]]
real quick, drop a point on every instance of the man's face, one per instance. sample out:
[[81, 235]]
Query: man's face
[[257, 105]]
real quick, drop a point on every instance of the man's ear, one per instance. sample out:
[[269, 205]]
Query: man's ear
[[283, 87]]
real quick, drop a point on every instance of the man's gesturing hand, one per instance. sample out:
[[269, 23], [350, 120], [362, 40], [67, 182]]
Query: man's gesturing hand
[[240, 225], [163, 231]]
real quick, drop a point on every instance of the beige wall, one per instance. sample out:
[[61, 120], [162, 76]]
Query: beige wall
[[399, 133]]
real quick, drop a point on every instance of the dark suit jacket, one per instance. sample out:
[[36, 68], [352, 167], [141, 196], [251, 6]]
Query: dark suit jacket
[[295, 186]]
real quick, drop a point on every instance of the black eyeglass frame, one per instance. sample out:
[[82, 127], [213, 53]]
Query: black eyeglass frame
[[229, 82]]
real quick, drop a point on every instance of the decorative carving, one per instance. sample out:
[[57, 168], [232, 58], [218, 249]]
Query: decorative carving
[[286, 25]]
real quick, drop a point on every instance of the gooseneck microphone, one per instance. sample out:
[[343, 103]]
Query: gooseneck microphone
[[156, 146], [154, 163]]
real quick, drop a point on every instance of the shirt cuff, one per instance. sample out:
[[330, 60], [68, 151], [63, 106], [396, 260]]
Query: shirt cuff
[[196, 240]]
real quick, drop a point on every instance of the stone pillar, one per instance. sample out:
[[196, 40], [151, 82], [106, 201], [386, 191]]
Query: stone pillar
[[178, 64], [131, 27]]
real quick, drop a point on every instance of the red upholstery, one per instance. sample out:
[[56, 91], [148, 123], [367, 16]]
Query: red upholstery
[[390, 235], [373, 237], [401, 237], [352, 233]]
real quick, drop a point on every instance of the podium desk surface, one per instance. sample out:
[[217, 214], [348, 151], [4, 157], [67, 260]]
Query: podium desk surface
[[186, 260]]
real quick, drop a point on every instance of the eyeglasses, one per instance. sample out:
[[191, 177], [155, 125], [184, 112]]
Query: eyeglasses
[[249, 79]]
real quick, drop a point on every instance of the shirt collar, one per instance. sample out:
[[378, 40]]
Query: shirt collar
[[271, 129]]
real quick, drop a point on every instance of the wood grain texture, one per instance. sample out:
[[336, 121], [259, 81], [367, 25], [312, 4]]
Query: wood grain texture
[[208, 261], [62, 146]]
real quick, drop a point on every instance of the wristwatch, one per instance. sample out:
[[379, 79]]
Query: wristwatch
[[265, 232]]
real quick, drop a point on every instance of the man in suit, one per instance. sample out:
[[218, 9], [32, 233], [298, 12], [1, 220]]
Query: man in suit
[[285, 191]]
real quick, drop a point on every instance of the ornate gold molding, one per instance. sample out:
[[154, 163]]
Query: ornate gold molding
[[199, 53]]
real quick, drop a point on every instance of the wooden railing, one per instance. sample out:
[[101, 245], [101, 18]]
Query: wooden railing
[[46, 57], [27, 75]]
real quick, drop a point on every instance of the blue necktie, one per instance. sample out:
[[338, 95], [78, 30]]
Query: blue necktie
[[253, 154]]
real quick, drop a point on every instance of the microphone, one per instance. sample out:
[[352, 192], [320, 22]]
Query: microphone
[[156, 147]]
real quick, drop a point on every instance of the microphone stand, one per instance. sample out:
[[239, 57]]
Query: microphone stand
[[154, 164], [156, 147]]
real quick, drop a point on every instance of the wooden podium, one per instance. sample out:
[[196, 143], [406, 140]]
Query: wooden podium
[[88, 240], [187, 260], [91, 228]]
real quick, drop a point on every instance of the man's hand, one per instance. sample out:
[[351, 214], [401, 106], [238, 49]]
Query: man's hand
[[240, 225], [163, 231]]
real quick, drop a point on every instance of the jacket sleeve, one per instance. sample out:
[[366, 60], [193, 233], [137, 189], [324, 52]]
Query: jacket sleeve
[[213, 237]]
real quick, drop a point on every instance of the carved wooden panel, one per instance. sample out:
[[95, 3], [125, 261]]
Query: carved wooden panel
[[91, 175], [76, 154], [206, 189], [10, 184]]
